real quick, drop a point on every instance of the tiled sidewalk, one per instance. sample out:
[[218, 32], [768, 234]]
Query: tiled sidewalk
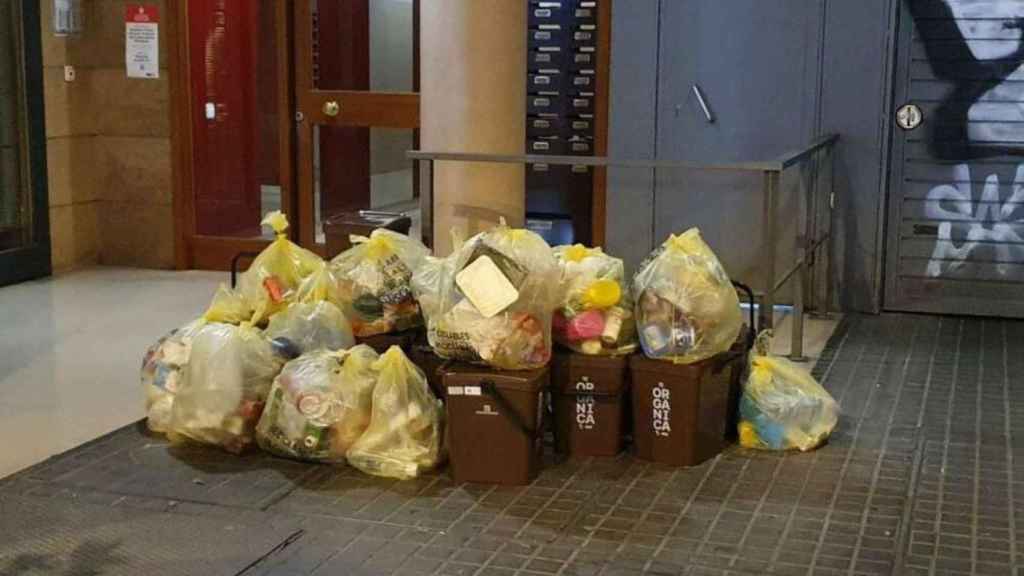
[[924, 476]]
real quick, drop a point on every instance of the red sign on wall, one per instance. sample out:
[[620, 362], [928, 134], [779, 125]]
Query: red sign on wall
[[143, 13], [142, 36]]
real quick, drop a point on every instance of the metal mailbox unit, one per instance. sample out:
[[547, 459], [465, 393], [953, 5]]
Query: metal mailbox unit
[[810, 169], [561, 92]]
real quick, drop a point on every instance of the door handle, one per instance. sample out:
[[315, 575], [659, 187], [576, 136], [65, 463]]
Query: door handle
[[332, 108], [703, 104]]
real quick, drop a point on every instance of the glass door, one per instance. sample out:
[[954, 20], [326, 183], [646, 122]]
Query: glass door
[[358, 109], [24, 222]]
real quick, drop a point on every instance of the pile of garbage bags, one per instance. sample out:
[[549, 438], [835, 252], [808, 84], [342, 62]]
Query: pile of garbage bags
[[277, 363]]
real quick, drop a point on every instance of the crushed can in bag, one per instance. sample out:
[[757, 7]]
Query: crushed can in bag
[[319, 405]]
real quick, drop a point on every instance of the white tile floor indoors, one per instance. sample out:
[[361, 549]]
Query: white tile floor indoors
[[71, 345]]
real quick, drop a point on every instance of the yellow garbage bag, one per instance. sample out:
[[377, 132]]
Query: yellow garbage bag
[[374, 282], [228, 306], [490, 302], [323, 285], [686, 309], [224, 386], [271, 281], [307, 326], [162, 368], [319, 405], [595, 315], [404, 436], [783, 407]]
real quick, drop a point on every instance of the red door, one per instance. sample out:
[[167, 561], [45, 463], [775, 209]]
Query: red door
[[224, 45]]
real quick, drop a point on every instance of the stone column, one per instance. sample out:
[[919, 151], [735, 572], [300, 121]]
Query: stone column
[[473, 99]]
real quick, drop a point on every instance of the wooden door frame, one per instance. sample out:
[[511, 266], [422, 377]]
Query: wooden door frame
[[358, 108], [192, 250]]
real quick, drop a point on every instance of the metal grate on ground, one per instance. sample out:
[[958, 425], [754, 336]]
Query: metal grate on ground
[[921, 477]]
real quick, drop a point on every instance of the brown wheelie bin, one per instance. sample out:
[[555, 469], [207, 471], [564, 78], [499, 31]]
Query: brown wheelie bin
[[589, 398], [495, 423], [339, 227]]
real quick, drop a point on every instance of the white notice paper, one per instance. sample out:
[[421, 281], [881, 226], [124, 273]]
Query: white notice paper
[[142, 47]]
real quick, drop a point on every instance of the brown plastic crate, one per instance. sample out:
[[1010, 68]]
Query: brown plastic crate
[[589, 398], [339, 227], [495, 424], [684, 414]]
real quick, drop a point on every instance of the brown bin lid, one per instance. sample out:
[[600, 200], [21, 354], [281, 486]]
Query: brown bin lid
[[520, 381], [364, 218]]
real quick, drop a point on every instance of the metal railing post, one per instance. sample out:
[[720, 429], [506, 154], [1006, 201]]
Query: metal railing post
[[830, 245], [771, 185], [426, 167]]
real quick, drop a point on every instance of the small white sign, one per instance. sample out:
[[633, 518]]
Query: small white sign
[[142, 46], [473, 391]]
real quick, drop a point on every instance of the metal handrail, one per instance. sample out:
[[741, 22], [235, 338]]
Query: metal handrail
[[801, 273]]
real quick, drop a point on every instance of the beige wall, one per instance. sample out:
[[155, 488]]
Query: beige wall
[[108, 146]]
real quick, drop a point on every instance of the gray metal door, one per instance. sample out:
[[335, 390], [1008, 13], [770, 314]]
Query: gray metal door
[[738, 82], [956, 187]]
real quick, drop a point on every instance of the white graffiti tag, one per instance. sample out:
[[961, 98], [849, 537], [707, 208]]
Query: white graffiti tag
[[987, 221]]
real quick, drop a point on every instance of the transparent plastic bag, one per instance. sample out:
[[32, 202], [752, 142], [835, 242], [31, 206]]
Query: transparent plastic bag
[[228, 306], [307, 326], [491, 301], [374, 282], [271, 281], [595, 316], [319, 405], [225, 385], [686, 306], [404, 436], [323, 285], [161, 373], [783, 407]]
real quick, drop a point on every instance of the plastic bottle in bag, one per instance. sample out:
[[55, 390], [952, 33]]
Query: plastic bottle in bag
[[161, 372], [595, 316], [224, 386], [404, 436], [490, 302], [271, 281], [319, 405], [686, 308], [783, 407], [374, 282]]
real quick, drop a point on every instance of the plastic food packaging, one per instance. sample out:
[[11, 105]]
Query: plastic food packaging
[[595, 316], [228, 306], [272, 280], [490, 302], [224, 386], [783, 407], [162, 369], [307, 326], [374, 278], [404, 436], [319, 405], [686, 309]]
